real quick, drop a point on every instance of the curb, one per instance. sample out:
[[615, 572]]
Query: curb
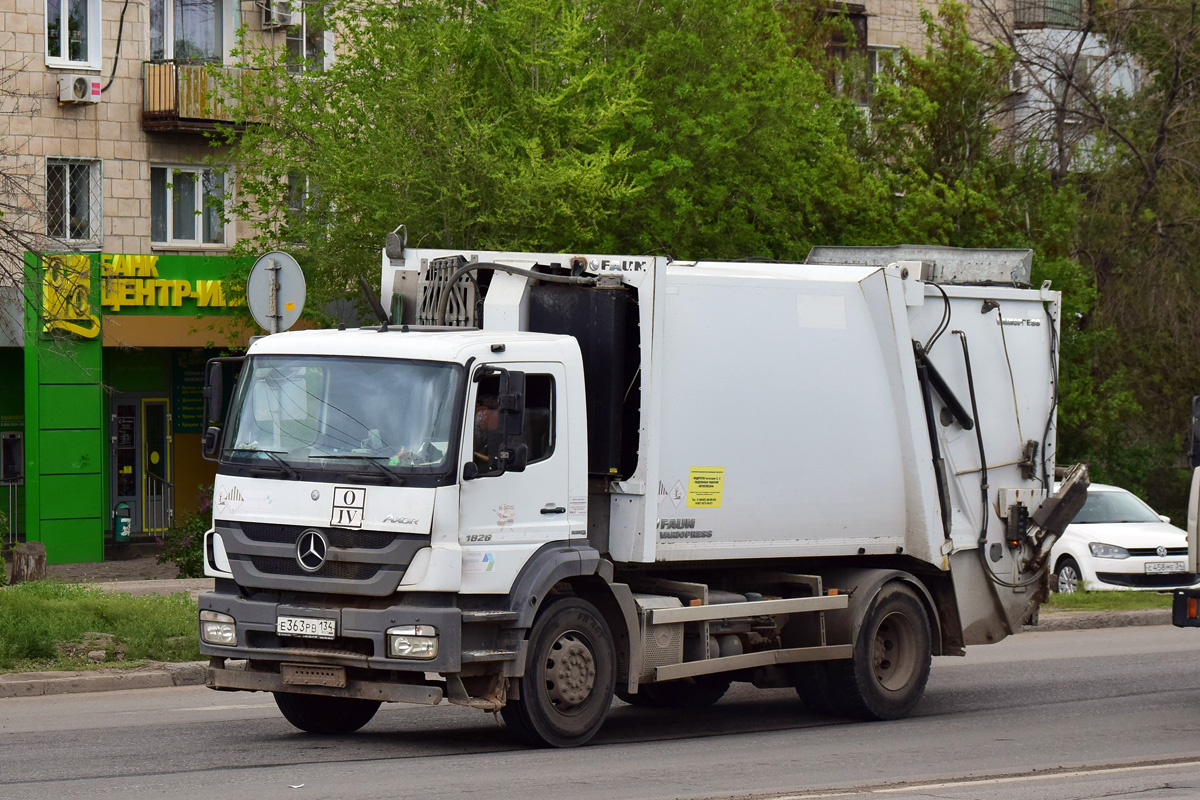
[[151, 676], [1090, 620]]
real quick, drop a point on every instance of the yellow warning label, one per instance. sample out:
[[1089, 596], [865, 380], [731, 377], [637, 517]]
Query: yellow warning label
[[705, 487]]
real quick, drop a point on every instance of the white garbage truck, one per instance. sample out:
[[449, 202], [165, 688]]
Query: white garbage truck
[[544, 480]]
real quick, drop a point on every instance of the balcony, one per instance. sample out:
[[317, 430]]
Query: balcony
[[182, 96], [1067, 14]]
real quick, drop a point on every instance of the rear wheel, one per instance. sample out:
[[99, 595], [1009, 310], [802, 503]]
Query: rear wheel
[[569, 677], [812, 686], [892, 653], [317, 713], [1069, 576]]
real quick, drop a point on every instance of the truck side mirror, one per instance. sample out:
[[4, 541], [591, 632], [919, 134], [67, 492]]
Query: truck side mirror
[[211, 441], [512, 403], [214, 391], [514, 458]]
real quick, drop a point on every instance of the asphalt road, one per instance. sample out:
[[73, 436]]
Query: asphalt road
[[1073, 714]]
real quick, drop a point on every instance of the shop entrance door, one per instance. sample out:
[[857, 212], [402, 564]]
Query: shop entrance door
[[141, 460]]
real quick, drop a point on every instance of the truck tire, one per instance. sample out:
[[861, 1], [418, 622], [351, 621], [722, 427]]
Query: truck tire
[[699, 692], [811, 680], [316, 713], [892, 654], [570, 675]]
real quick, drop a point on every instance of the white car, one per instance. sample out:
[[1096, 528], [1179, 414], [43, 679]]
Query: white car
[[1118, 542]]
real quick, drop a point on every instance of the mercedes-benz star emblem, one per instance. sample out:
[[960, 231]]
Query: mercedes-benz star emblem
[[1162, 551], [311, 549]]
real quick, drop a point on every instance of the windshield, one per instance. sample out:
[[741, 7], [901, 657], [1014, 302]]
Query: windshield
[[1114, 507], [318, 412]]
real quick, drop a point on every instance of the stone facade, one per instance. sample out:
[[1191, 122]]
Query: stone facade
[[110, 131]]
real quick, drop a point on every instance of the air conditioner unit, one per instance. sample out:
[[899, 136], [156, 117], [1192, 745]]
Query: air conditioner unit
[[277, 14], [78, 88], [1016, 80]]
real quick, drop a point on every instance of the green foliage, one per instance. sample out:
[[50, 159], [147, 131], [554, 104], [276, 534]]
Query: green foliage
[[740, 149], [42, 623], [1107, 601], [184, 542]]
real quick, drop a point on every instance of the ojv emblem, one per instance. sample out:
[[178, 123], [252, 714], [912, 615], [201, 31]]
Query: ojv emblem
[[311, 549]]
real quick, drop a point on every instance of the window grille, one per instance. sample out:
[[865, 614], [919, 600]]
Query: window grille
[[74, 201]]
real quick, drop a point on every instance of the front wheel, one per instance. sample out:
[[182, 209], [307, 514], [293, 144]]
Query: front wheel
[[887, 674], [316, 713], [570, 674], [1069, 576]]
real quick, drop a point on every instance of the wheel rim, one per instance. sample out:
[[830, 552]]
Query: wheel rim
[[894, 655], [1068, 579], [570, 672]]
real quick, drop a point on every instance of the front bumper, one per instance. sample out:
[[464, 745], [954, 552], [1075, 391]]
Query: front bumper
[[361, 633], [224, 678], [1130, 574]]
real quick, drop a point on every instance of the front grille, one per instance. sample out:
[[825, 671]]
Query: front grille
[[1137, 581], [288, 534], [1152, 552], [341, 645], [341, 570]]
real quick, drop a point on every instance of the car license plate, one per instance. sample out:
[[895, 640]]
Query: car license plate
[[312, 627], [1165, 567]]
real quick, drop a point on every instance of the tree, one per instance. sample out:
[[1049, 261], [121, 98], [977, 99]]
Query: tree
[[1117, 103], [22, 209], [474, 126]]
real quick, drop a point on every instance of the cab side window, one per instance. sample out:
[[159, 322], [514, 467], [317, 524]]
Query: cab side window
[[537, 433]]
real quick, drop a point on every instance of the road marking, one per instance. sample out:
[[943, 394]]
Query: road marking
[[226, 708], [1041, 776]]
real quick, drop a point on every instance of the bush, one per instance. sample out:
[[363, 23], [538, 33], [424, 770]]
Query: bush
[[184, 543], [45, 624]]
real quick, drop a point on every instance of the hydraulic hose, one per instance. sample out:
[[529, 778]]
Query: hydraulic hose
[[444, 300]]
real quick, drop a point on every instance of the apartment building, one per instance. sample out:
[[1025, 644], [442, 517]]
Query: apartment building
[[103, 340]]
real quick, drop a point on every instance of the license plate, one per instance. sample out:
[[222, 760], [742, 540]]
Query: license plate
[[312, 627], [1165, 567]]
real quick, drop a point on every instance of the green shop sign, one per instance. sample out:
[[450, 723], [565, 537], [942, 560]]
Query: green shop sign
[[166, 285]]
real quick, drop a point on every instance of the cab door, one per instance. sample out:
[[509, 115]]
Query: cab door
[[506, 515]]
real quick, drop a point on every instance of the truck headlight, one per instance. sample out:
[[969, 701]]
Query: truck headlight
[[412, 641], [218, 629], [1107, 550]]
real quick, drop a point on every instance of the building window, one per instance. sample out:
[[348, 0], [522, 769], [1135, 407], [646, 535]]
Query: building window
[[191, 30], [881, 61], [187, 206], [73, 33], [74, 201], [309, 44]]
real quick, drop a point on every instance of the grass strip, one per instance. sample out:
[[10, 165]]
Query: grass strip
[[51, 625], [1107, 601]]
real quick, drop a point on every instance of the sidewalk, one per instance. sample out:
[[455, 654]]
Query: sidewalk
[[143, 575]]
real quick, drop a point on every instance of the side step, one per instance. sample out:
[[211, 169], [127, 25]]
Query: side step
[[486, 616]]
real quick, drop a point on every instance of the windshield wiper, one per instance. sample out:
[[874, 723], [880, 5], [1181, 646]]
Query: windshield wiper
[[395, 479], [288, 470]]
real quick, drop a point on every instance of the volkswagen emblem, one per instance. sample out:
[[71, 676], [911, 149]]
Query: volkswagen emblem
[[1162, 551], [311, 549]]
